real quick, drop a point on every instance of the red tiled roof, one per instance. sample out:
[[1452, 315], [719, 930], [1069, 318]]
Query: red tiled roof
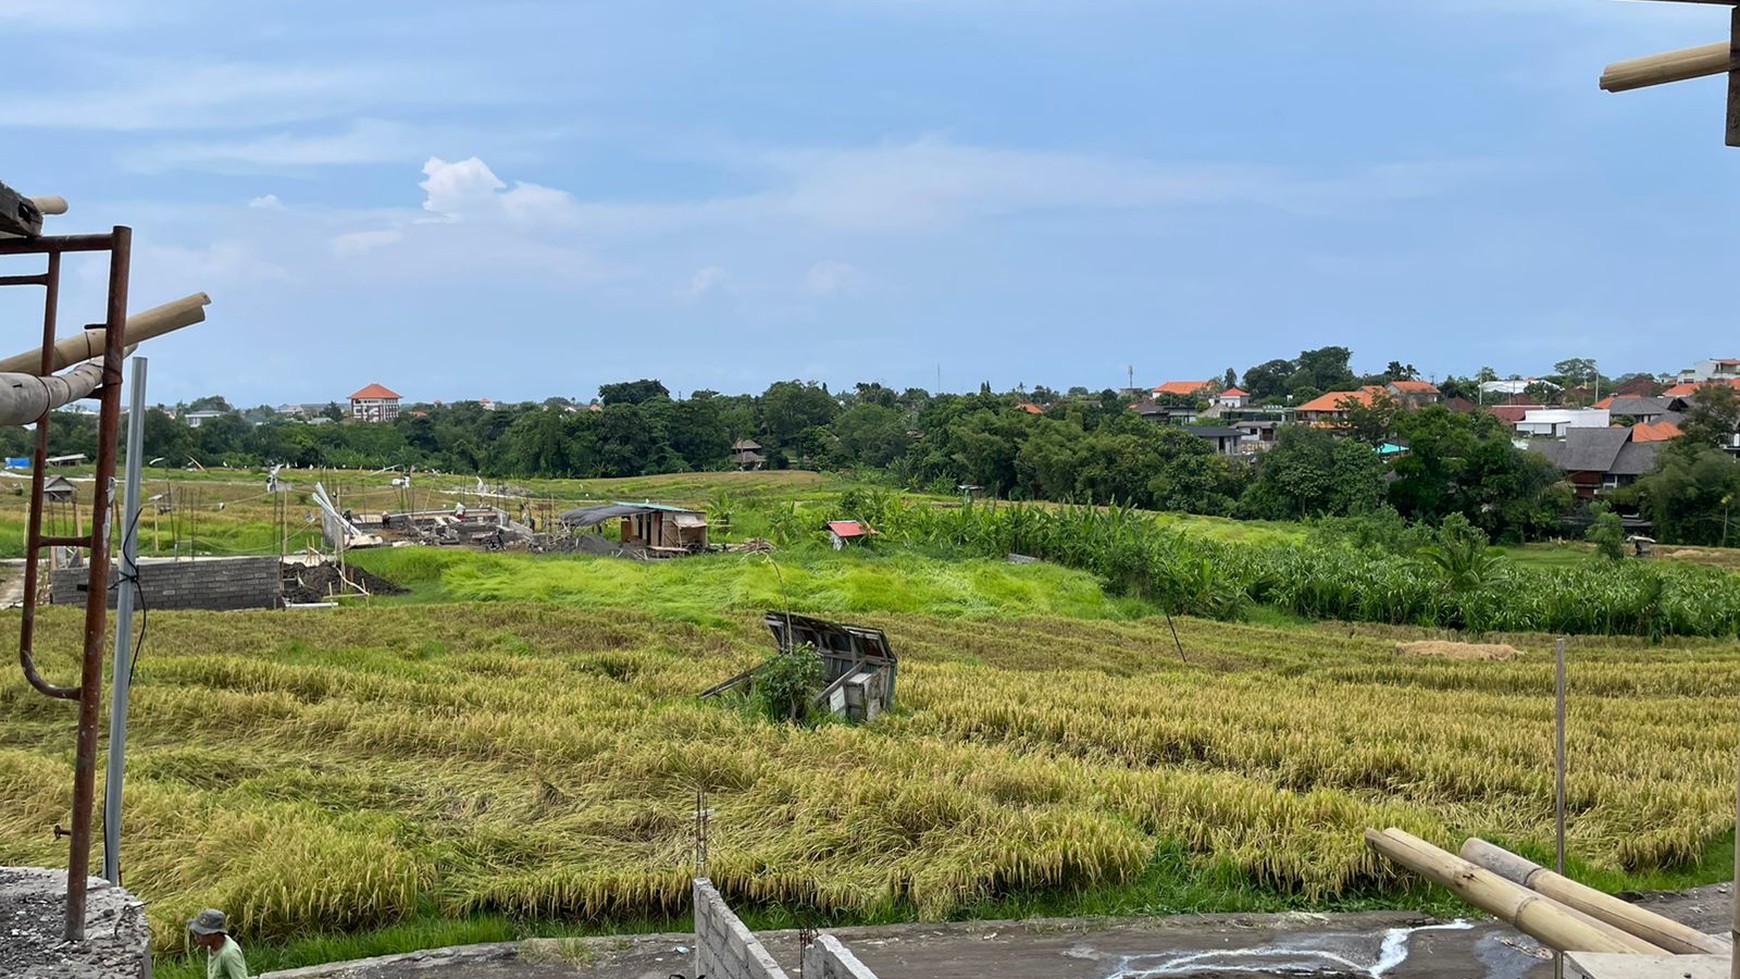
[[1415, 387], [1511, 414], [373, 392], [1336, 400], [1031, 408], [1606, 402], [1184, 387], [1688, 388], [1654, 432], [1235, 393], [850, 528]]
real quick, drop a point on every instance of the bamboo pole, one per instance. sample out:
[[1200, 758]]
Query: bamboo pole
[[1538, 916], [1647, 925], [154, 322], [1674, 66]]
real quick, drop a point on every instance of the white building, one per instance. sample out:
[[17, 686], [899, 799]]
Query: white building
[[194, 419], [1514, 385], [1553, 422], [1721, 369]]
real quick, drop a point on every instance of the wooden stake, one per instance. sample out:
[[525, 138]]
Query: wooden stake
[[1553, 924], [1647, 925], [1733, 135]]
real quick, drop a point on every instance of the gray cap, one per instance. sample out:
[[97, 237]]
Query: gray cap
[[211, 921]]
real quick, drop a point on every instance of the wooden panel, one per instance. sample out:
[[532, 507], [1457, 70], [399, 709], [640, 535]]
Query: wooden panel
[[1733, 135], [19, 215], [1599, 965]]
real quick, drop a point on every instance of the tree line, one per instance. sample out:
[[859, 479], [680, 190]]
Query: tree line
[[1074, 446]]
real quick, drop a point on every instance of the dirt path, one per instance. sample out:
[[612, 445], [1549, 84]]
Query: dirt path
[[1390, 945]]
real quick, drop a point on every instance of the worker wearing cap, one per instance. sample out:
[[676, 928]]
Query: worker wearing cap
[[223, 956]]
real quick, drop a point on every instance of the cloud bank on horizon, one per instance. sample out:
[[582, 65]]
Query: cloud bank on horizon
[[533, 198]]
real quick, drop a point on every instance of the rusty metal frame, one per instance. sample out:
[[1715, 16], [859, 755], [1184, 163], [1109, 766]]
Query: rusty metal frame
[[119, 244]]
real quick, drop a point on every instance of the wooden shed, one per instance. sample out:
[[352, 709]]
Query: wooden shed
[[654, 526]]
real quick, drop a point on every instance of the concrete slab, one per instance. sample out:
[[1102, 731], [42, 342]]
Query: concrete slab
[[117, 941]]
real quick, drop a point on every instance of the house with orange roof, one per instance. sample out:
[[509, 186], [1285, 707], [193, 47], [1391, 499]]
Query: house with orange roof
[[1331, 408], [375, 403], [1187, 389], [1654, 431], [1030, 408], [1232, 398], [1685, 389], [1415, 394]]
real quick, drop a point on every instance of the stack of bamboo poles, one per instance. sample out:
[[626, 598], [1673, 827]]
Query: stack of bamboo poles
[[1552, 909]]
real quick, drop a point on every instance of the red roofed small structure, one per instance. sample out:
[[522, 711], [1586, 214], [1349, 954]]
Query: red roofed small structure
[[842, 532], [1031, 408]]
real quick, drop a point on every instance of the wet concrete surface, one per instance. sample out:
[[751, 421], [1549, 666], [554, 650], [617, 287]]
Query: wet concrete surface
[[1377, 945]]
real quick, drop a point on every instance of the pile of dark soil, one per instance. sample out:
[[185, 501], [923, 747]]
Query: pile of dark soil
[[321, 582]]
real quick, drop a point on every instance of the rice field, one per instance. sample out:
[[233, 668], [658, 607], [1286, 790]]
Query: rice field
[[344, 770]]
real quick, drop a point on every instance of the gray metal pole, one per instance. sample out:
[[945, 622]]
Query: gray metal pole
[[123, 675], [1559, 772]]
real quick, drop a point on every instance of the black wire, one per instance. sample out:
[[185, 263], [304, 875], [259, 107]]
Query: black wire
[[138, 594]]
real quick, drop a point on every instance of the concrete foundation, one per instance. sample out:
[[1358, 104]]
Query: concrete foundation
[[724, 947], [214, 584], [827, 958], [117, 941]]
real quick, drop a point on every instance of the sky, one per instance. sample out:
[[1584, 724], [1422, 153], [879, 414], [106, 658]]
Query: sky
[[518, 200]]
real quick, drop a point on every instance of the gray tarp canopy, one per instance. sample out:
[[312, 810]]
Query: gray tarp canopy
[[593, 516]]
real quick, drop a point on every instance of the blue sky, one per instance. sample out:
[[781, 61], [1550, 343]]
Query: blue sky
[[517, 200]]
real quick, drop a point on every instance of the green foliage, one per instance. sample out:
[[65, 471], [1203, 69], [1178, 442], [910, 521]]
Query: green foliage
[[1459, 554], [786, 684], [1690, 496], [1607, 533], [1311, 473]]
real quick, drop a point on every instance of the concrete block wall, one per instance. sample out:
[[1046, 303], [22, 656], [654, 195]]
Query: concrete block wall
[[827, 958], [219, 584], [724, 947]]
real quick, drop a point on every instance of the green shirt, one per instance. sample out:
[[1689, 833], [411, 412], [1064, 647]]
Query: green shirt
[[226, 962]]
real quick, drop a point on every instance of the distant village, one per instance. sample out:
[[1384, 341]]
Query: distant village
[[1600, 439]]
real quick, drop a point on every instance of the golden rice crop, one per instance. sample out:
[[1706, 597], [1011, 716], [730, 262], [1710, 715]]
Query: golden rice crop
[[346, 769]]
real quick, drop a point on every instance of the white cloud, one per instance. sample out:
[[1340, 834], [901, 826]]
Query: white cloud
[[364, 141], [932, 183], [455, 189], [183, 95], [707, 280], [69, 14], [210, 267], [358, 242], [267, 202], [832, 278]]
